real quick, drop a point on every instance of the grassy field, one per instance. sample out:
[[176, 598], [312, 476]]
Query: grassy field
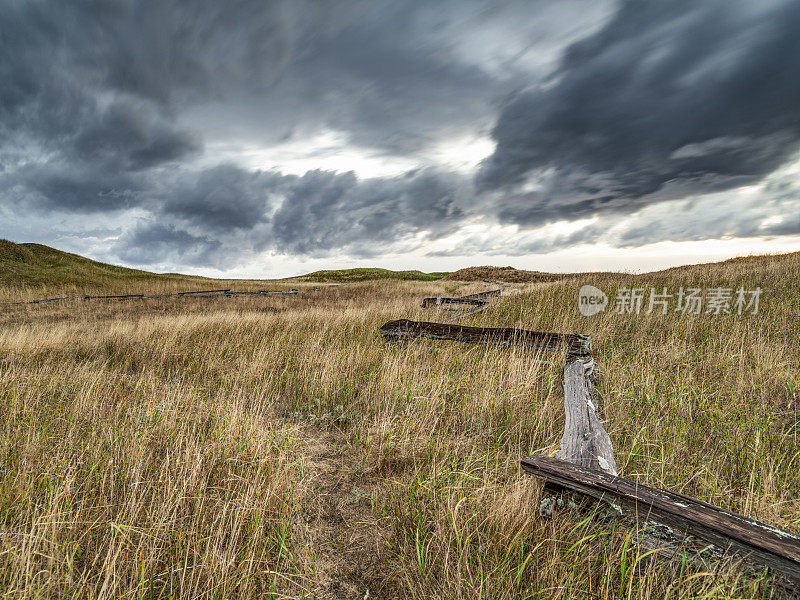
[[277, 447]]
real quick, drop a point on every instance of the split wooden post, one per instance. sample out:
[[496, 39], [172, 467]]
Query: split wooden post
[[585, 441]]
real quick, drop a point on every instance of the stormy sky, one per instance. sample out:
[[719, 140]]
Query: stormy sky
[[266, 138]]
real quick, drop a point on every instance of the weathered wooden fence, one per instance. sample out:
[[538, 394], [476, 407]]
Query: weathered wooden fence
[[462, 306], [585, 461], [585, 464], [226, 293]]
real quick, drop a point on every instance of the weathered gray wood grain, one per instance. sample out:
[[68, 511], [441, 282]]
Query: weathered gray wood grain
[[585, 441]]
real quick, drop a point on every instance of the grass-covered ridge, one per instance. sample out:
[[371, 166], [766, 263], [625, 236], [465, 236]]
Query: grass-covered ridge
[[32, 265], [366, 274], [37, 264]]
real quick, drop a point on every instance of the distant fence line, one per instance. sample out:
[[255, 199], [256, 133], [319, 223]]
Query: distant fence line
[[464, 306], [227, 293]]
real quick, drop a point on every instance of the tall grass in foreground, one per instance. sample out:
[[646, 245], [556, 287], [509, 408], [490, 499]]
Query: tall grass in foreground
[[221, 448]]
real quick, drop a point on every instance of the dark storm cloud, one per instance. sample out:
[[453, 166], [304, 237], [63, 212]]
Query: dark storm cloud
[[393, 86], [397, 77], [131, 138], [225, 210], [324, 210], [73, 189], [670, 98], [221, 199], [151, 243], [166, 51], [95, 88]]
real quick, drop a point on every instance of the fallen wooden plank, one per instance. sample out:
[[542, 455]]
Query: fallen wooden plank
[[445, 302], [465, 313], [488, 295], [114, 297], [571, 343], [54, 299], [500, 283], [208, 292], [202, 292], [470, 299], [585, 441], [768, 545], [261, 293]]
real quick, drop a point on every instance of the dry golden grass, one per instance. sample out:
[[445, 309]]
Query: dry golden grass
[[233, 448]]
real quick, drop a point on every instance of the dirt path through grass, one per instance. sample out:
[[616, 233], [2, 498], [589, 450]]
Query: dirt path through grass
[[344, 536]]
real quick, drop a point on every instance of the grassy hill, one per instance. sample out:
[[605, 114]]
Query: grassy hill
[[366, 274], [40, 265], [506, 274], [36, 264]]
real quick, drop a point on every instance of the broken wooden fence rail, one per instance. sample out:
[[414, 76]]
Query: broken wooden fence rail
[[479, 299], [769, 545], [500, 283], [261, 293], [488, 295], [479, 302], [114, 297], [585, 464], [572, 344], [198, 292], [57, 299]]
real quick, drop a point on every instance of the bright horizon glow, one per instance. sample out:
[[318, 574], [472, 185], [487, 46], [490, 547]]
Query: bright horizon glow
[[580, 259]]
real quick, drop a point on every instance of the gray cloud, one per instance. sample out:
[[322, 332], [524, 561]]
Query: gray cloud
[[130, 138], [225, 211], [324, 210], [152, 243], [72, 188], [220, 199], [668, 99], [399, 76], [94, 89]]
